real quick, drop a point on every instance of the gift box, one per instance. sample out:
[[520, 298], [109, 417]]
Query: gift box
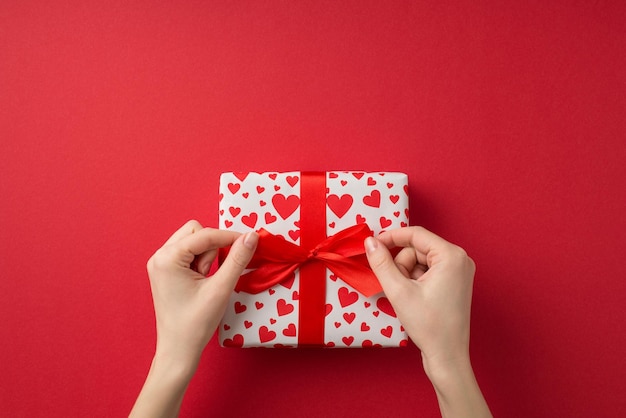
[[309, 283]]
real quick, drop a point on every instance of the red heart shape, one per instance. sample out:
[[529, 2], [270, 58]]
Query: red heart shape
[[234, 211], [369, 344], [272, 321], [346, 297], [271, 291], [389, 185], [283, 307], [358, 175], [262, 203], [269, 218], [387, 331], [245, 195], [221, 196], [404, 343], [406, 189], [360, 219], [276, 187], [290, 331], [241, 176], [295, 295], [333, 175], [332, 224], [337, 324], [403, 224], [250, 220], [240, 307], [226, 327], [292, 180], [228, 223], [237, 341], [384, 222], [330, 344], [349, 317], [343, 182], [294, 234], [259, 305], [376, 313], [384, 305], [247, 324], [222, 212], [260, 189], [373, 199], [371, 182], [348, 340], [329, 308], [364, 327], [394, 198], [366, 304], [273, 176], [285, 206], [339, 205], [233, 187], [266, 335]]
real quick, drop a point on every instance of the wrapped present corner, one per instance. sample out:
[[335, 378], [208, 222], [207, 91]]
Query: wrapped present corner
[[309, 284]]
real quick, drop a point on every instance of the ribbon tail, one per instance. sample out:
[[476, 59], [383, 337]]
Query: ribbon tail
[[355, 273], [264, 277]]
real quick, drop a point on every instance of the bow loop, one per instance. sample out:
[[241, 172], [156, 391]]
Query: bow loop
[[343, 253]]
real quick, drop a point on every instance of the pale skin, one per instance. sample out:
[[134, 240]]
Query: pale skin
[[429, 284]]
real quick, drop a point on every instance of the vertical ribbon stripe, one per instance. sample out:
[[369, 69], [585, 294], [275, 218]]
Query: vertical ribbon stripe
[[312, 290]]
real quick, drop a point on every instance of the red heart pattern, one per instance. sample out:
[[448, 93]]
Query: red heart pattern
[[290, 331], [285, 205], [384, 305], [250, 220], [283, 307], [373, 199], [339, 205], [271, 201], [265, 334], [346, 297]]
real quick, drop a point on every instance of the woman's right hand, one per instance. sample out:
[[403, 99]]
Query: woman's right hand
[[429, 285]]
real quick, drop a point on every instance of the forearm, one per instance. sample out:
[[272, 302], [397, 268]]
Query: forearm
[[164, 389], [457, 390]]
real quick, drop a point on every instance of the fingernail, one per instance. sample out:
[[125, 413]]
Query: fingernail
[[370, 244], [250, 240]]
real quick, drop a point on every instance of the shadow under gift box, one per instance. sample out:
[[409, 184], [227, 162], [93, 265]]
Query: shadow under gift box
[[312, 306]]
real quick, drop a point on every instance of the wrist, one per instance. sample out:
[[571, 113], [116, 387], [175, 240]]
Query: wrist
[[456, 387], [442, 369], [174, 365]]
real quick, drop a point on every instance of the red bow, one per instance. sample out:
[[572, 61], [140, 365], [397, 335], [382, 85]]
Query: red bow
[[276, 259]]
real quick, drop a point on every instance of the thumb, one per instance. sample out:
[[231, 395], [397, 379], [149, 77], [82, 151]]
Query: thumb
[[384, 267], [240, 254]]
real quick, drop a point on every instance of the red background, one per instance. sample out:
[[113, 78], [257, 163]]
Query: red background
[[117, 117]]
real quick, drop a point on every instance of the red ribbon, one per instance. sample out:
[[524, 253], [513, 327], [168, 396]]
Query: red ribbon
[[276, 259]]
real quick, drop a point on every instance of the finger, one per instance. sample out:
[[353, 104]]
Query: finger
[[189, 228], [380, 260], [204, 261], [406, 260], [206, 239], [235, 263], [421, 239]]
